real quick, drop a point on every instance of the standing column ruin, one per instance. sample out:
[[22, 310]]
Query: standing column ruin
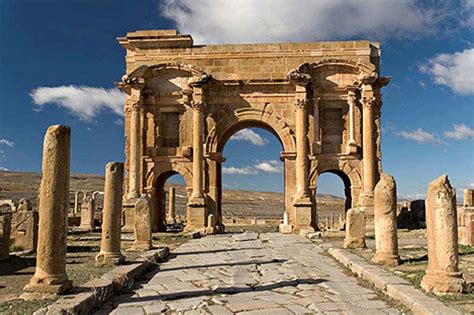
[[134, 179], [355, 229], [142, 224], [442, 275], [87, 212], [110, 251], [171, 217], [50, 274], [76, 202], [385, 216], [351, 101]]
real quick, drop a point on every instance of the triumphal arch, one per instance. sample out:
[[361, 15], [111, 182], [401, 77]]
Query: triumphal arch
[[321, 100]]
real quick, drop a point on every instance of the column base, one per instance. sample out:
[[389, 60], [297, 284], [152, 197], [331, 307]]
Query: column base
[[110, 258], [47, 286], [86, 228], [354, 242], [285, 228], [196, 217], [303, 214], [443, 283], [142, 245], [386, 259]]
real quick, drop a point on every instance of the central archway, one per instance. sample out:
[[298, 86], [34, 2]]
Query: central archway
[[225, 128]]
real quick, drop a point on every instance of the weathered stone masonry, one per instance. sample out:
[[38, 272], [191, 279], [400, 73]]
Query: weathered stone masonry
[[321, 100]]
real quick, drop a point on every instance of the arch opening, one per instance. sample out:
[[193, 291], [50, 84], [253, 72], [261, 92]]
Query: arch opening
[[252, 177], [169, 201], [333, 199]]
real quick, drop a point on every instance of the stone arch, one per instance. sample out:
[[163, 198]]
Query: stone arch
[[358, 67], [168, 170], [250, 117], [349, 174]]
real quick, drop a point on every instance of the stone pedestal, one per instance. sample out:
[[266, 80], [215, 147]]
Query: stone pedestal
[[385, 216], [355, 229], [50, 275], [285, 227], [87, 213], [25, 229], [442, 275], [142, 224], [110, 251], [5, 230], [196, 216], [211, 225]]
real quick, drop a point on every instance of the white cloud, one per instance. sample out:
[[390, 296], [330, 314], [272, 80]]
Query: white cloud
[[455, 71], [471, 185], [460, 132], [82, 101], [272, 166], [3, 168], [239, 171], [218, 21], [251, 136], [420, 136], [6, 142]]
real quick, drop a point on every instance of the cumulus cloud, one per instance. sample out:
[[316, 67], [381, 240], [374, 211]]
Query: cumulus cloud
[[3, 168], [82, 101], [460, 132], [239, 171], [455, 71], [250, 136], [420, 136], [6, 142], [272, 166], [218, 21]]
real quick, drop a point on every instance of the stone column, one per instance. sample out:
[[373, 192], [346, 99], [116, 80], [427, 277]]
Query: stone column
[[87, 213], [385, 216], [76, 202], [142, 224], [351, 101], [355, 229], [50, 275], [111, 215], [368, 152], [442, 275], [317, 122], [171, 206], [302, 199], [134, 156]]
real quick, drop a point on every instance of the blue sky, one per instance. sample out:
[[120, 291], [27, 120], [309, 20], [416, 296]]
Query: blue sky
[[60, 59]]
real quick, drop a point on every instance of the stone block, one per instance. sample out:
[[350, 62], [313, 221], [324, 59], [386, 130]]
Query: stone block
[[25, 230]]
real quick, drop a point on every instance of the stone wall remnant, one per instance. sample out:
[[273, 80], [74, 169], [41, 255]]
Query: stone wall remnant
[[142, 224], [355, 229]]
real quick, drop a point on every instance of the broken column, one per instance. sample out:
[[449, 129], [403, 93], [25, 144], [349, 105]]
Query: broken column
[[50, 275], [111, 215], [24, 227], [468, 198], [385, 219], [5, 229], [442, 275], [211, 225], [355, 229], [142, 224], [171, 215], [87, 212]]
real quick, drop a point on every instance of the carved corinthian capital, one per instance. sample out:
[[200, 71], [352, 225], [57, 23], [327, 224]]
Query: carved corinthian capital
[[351, 98], [368, 102], [301, 103], [197, 106], [300, 75]]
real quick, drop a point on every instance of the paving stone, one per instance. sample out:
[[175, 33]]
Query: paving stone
[[154, 309]]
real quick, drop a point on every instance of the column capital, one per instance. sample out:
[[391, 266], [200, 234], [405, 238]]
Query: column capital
[[301, 103], [300, 75], [368, 102], [197, 106], [351, 97]]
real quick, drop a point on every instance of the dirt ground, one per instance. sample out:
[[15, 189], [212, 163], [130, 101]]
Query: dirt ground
[[16, 272]]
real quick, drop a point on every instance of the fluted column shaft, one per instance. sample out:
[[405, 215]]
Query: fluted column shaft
[[368, 151], [301, 122], [198, 118], [134, 166], [351, 100]]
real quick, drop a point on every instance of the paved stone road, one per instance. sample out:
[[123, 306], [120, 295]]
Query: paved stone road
[[251, 274]]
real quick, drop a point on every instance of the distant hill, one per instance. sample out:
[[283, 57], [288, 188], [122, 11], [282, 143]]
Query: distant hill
[[237, 203]]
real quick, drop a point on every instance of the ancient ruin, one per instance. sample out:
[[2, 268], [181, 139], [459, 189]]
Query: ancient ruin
[[142, 224], [385, 216], [87, 212], [443, 275], [50, 276], [355, 229], [110, 251], [321, 100], [25, 226]]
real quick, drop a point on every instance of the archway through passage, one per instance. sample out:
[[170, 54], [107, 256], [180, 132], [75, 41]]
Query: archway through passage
[[170, 202], [333, 199], [252, 179]]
